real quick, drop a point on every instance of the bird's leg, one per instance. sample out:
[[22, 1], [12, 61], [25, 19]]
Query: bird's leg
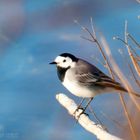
[[79, 106], [87, 104], [97, 119], [83, 111], [95, 116]]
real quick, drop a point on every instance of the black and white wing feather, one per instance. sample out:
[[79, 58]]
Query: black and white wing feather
[[89, 75]]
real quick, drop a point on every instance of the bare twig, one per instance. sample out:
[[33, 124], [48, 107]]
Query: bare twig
[[122, 98], [133, 40], [138, 58], [93, 36], [87, 39], [93, 30], [133, 59], [131, 70], [99, 61], [133, 74], [129, 119], [119, 73]]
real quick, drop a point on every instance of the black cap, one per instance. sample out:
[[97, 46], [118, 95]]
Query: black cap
[[69, 55]]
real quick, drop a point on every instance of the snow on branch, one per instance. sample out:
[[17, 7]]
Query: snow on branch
[[84, 120]]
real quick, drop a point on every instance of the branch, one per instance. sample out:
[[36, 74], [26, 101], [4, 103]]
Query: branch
[[84, 120]]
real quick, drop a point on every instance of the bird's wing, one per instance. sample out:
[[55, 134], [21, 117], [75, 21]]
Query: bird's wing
[[86, 78], [89, 75]]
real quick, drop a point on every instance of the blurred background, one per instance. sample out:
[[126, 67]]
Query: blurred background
[[32, 34]]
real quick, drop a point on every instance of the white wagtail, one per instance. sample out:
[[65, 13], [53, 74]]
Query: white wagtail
[[84, 79]]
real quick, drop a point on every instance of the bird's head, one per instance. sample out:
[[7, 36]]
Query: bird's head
[[65, 60]]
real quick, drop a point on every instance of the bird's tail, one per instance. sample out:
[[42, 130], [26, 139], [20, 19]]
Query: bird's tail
[[122, 89], [134, 93], [116, 86]]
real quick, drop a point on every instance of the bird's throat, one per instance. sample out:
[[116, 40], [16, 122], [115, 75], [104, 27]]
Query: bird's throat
[[61, 72]]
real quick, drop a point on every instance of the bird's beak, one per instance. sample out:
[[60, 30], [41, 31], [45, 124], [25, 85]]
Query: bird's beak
[[53, 63]]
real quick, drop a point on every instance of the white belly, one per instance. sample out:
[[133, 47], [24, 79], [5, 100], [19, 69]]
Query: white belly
[[78, 90]]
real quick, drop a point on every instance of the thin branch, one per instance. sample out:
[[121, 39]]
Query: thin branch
[[93, 30], [133, 40], [131, 70], [87, 39], [98, 45], [138, 58], [133, 74], [118, 72], [129, 119], [99, 61], [124, 42], [84, 120], [133, 59]]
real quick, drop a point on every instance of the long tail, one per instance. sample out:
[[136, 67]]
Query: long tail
[[120, 88], [134, 93], [110, 83], [126, 91]]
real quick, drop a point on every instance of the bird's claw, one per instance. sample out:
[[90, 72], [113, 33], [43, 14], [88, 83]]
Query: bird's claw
[[77, 110], [102, 127], [83, 112]]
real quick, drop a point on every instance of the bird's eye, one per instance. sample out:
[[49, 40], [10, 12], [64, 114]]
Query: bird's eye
[[64, 60]]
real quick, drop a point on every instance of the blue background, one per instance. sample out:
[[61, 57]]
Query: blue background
[[32, 34]]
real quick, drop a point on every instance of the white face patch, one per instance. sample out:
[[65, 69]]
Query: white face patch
[[64, 62]]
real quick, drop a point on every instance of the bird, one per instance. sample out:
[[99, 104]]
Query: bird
[[84, 79]]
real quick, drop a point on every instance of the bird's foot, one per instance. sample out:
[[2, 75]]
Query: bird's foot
[[82, 112], [79, 107], [102, 127]]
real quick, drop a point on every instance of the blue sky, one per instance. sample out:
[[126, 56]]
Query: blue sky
[[33, 33]]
